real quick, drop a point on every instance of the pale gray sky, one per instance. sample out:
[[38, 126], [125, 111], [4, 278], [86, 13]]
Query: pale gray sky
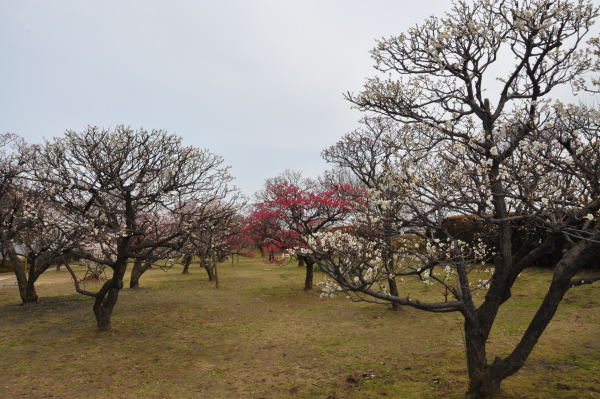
[[258, 82]]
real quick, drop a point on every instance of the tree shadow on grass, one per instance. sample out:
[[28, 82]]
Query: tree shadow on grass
[[47, 310]]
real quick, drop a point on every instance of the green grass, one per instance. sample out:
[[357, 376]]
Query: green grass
[[262, 336]]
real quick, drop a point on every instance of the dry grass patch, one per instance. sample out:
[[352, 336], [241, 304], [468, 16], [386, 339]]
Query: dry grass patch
[[261, 336]]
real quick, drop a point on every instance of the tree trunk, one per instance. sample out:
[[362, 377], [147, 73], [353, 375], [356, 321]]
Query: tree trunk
[[135, 277], [394, 291], [21, 276], [187, 259], [388, 256], [484, 379], [30, 294], [207, 266], [136, 273], [58, 265], [25, 279], [107, 297], [308, 282], [301, 262], [186, 268], [104, 305], [482, 383], [565, 270], [215, 272]]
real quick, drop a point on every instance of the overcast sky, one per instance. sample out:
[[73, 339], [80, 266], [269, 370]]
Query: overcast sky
[[259, 82]]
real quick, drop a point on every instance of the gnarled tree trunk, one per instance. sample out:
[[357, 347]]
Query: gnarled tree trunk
[[106, 298], [138, 270], [484, 378], [25, 279]]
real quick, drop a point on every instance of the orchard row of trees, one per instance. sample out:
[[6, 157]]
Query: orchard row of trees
[[460, 124], [105, 197]]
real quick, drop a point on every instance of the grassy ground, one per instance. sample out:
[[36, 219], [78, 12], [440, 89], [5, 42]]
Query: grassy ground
[[261, 336]]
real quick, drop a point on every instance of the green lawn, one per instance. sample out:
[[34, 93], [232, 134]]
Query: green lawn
[[261, 336]]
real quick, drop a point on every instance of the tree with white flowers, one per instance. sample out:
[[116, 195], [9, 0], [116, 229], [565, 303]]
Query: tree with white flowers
[[19, 214], [211, 227], [487, 141], [40, 242], [370, 153], [115, 185]]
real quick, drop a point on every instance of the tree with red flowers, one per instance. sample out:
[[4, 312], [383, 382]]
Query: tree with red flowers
[[294, 212], [263, 227]]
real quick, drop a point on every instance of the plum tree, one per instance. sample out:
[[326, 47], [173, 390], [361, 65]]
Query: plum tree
[[104, 181], [483, 139]]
